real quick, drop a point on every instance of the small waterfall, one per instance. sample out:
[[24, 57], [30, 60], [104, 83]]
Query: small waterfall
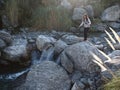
[[58, 60], [47, 54], [35, 57]]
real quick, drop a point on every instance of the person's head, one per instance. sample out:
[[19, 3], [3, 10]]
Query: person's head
[[85, 17]]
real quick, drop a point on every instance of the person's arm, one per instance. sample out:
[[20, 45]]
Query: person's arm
[[81, 24]]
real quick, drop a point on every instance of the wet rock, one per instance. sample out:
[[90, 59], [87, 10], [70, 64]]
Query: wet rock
[[78, 13], [46, 76], [2, 44], [79, 55], [71, 39], [6, 37], [43, 42], [111, 13], [59, 46]]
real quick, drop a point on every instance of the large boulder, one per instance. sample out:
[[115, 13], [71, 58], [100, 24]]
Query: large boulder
[[78, 13], [46, 76], [71, 39], [44, 42], [90, 10], [6, 37], [111, 13], [17, 52], [79, 57], [60, 46]]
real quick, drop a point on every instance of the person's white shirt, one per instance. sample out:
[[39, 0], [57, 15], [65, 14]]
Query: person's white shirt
[[86, 24]]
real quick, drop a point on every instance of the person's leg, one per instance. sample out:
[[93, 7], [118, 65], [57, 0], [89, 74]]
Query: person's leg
[[86, 33]]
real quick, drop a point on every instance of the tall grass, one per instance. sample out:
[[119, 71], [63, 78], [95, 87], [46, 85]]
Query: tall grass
[[40, 14], [12, 11], [114, 84], [51, 18]]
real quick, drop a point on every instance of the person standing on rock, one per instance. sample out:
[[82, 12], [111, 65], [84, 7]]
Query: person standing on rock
[[86, 22]]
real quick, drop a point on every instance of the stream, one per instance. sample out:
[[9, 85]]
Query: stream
[[11, 80]]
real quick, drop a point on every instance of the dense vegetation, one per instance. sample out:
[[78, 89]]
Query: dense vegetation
[[40, 14], [45, 14]]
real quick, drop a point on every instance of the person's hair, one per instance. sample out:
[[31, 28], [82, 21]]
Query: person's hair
[[85, 17]]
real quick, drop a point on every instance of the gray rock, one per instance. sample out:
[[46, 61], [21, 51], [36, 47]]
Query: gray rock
[[78, 13], [66, 63], [84, 80], [114, 64], [2, 44], [17, 52], [106, 75], [90, 82], [43, 42], [71, 39], [6, 37], [90, 10], [76, 76], [117, 46], [100, 27], [115, 25], [111, 13], [74, 29], [46, 76], [59, 46], [114, 54], [101, 46], [76, 87], [80, 56]]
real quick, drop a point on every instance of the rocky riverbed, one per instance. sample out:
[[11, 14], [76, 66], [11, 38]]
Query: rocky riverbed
[[53, 61]]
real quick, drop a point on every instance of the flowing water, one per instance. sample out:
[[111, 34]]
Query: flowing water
[[9, 81]]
